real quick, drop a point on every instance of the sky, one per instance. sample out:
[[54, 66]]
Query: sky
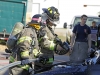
[[75, 7], [69, 8]]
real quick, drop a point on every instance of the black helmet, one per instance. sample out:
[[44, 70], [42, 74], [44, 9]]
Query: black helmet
[[51, 14], [35, 21], [36, 18]]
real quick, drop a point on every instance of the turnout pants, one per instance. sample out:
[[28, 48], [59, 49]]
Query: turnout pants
[[16, 70]]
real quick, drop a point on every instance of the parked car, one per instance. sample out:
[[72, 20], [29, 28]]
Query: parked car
[[76, 20]]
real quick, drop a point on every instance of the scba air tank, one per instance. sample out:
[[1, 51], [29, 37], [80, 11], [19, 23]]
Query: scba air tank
[[18, 27]]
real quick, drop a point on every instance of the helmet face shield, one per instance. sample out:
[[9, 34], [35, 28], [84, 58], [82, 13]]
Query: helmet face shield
[[44, 17], [56, 17], [53, 21], [51, 14]]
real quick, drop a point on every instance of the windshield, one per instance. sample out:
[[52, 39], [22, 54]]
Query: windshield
[[88, 22]]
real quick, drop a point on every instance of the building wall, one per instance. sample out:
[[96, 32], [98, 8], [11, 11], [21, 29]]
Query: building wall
[[29, 10]]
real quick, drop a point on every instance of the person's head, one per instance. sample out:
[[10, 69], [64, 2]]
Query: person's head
[[94, 24], [35, 22], [83, 19], [50, 15]]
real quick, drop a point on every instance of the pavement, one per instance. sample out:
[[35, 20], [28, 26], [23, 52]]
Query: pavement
[[3, 62]]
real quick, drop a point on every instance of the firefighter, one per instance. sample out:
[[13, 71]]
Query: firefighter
[[25, 46], [49, 43]]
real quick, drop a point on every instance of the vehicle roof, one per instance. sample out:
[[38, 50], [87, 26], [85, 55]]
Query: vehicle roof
[[88, 16]]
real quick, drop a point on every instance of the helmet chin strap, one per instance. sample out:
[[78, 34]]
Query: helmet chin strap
[[51, 25]]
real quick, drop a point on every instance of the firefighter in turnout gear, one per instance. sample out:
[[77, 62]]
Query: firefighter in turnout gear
[[49, 42], [26, 44]]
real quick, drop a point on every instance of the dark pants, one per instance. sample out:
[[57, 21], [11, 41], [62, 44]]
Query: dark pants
[[79, 53]]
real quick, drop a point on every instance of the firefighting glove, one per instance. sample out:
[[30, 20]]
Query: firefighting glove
[[57, 40], [62, 48], [88, 61], [8, 51], [43, 59]]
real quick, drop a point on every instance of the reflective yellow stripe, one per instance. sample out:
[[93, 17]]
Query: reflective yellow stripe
[[23, 67], [49, 9], [12, 59], [35, 52], [50, 60], [39, 39], [25, 54], [52, 45], [22, 39], [26, 67]]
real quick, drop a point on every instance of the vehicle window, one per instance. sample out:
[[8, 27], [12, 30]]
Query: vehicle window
[[88, 22]]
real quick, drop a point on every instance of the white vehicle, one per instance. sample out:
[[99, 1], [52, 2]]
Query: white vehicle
[[76, 20]]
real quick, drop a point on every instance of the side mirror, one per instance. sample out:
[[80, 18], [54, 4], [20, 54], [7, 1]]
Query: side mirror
[[65, 25]]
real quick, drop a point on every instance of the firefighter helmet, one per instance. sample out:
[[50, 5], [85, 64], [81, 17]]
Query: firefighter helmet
[[36, 21], [52, 14]]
